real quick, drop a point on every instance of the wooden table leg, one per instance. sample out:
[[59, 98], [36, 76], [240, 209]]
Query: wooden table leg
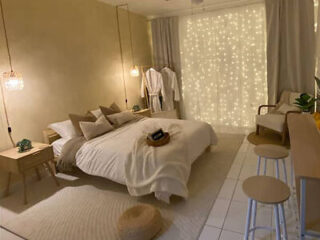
[[38, 173], [6, 193], [24, 188], [52, 173]]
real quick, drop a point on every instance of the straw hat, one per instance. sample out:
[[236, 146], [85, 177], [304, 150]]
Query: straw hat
[[141, 222]]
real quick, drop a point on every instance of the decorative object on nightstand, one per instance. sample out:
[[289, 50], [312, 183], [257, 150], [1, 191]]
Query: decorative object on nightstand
[[144, 112], [136, 108], [14, 162], [24, 145]]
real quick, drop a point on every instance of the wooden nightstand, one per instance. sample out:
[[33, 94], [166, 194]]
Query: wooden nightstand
[[14, 162], [144, 112]]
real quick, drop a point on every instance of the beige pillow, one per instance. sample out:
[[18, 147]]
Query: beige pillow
[[284, 108], [120, 118], [94, 129], [75, 119], [107, 111], [115, 107]]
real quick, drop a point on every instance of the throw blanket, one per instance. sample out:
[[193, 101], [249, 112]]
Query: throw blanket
[[67, 159], [159, 169]]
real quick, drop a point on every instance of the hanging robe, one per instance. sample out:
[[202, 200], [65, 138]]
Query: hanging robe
[[154, 84], [171, 89]]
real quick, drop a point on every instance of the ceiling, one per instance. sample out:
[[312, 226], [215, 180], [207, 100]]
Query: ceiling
[[162, 8]]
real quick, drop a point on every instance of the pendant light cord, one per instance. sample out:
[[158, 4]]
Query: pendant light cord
[[5, 34], [121, 56], [6, 114], [2, 92], [130, 32]]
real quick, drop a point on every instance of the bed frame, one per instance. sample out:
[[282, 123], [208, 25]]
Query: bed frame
[[49, 136]]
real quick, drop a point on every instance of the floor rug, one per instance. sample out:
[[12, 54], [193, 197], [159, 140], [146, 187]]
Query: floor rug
[[266, 137], [87, 207]]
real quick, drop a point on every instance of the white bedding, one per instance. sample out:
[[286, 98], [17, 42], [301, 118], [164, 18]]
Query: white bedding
[[58, 145], [106, 156]]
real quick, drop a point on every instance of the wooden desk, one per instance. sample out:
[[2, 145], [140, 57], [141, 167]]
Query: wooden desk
[[305, 153], [14, 162]]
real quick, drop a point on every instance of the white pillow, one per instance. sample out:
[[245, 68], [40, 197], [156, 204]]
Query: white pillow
[[120, 118], [97, 113], [94, 129], [65, 129], [284, 108]]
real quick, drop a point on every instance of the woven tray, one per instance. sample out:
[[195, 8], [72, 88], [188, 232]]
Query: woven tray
[[161, 142]]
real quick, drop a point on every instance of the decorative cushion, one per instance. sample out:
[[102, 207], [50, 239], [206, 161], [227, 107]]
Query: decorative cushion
[[141, 222], [271, 121], [107, 111], [76, 119], [97, 113], [115, 107], [120, 118], [94, 129], [284, 108], [65, 129]]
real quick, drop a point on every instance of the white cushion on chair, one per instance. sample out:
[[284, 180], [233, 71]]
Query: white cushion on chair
[[271, 121]]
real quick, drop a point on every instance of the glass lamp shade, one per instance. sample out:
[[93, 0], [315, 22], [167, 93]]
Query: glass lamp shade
[[134, 71], [13, 81]]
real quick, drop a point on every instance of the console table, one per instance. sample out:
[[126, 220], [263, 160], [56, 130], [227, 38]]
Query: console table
[[305, 153]]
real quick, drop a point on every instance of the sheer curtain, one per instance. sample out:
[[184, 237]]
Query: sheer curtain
[[223, 65]]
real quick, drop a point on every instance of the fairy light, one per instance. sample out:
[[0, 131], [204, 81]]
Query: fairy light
[[223, 61]]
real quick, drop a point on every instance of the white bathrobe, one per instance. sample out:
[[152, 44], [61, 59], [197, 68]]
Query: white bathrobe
[[154, 84], [171, 89]]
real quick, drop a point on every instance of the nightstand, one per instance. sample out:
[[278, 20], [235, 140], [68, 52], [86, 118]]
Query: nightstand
[[144, 112], [14, 162]]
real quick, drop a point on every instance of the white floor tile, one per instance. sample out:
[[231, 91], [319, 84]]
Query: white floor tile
[[234, 171], [251, 170], [218, 213], [210, 233], [239, 195], [227, 235], [227, 189], [236, 218]]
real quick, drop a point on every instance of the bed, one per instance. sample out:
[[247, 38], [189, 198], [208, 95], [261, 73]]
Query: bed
[[123, 156]]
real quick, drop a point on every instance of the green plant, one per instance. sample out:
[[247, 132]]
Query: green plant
[[305, 102], [318, 83]]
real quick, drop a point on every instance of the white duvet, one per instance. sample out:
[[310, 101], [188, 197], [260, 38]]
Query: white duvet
[[124, 157]]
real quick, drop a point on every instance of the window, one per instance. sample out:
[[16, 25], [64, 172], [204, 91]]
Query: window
[[223, 63]]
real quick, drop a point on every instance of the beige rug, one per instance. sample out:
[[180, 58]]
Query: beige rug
[[88, 207]]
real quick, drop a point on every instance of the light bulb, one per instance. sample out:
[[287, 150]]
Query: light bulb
[[134, 71], [13, 81]]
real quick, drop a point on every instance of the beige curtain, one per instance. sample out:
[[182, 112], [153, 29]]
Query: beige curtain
[[165, 42], [290, 46]]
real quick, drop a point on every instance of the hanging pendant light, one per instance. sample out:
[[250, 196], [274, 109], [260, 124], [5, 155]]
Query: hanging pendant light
[[12, 80], [134, 71]]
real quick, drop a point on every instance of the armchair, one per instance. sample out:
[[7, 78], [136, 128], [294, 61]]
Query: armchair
[[276, 118]]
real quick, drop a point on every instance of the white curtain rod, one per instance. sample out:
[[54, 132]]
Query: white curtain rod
[[207, 8]]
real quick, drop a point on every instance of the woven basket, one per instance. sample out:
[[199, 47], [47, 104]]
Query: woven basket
[[141, 222]]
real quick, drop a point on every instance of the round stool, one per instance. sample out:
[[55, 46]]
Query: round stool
[[272, 152], [141, 222], [266, 190]]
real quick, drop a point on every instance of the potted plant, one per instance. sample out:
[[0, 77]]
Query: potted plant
[[305, 102]]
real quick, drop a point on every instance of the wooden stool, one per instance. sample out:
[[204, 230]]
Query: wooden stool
[[272, 152], [267, 190]]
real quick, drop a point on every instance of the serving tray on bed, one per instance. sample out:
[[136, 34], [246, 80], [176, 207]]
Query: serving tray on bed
[[161, 142]]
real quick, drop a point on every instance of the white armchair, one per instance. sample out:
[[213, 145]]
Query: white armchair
[[276, 119]]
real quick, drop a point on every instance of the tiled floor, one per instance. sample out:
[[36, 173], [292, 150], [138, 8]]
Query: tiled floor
[[228, 215]]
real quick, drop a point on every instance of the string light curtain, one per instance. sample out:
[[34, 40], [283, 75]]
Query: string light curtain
[[223, 62]]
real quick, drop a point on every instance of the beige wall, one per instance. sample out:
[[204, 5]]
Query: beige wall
[[68, 53]]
